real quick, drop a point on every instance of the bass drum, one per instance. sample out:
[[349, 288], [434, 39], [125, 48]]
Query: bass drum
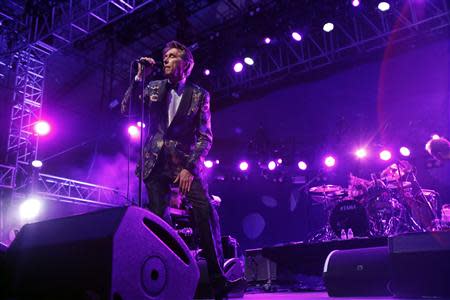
[[349, 214]]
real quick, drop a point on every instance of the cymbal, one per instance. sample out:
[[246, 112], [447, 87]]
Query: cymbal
[[394, 186], [326, 189]]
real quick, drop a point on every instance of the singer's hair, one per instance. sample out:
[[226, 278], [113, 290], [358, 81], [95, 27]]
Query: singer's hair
[[186, 54]]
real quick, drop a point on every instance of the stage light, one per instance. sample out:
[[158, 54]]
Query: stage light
[[385, 155], [302, 165], [271, 165], [435, 137], [37, 164], [279, 161], [330, 161], [328, 27], [133, 131], [249, 61], [238, 67], [208, 164], [30, 208], [217, 161], [356, 3], [405, 151], [243, 166], [383, 6], [207, 72], [267, 40], [139, 124], [361, 153], [41, 128], [296, 36]]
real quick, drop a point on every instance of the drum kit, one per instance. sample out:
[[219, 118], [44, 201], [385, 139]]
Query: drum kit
[[391, 203]]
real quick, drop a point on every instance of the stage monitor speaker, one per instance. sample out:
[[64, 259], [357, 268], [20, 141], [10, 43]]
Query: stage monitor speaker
[[420, 265], [357, 272], [124, 253]]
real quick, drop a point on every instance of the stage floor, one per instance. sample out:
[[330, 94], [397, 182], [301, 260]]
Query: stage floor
[[306, 295]]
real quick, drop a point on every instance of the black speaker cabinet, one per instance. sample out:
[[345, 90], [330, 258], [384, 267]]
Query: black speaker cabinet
[[420, 264], [122, 253], [357, 272]]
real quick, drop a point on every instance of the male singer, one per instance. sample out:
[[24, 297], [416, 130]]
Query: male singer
[[179, 139]]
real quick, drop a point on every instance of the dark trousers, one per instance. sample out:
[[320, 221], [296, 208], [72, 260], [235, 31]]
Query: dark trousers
[[205, 217]]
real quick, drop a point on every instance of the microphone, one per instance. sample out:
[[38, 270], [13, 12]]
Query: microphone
[[146, 63]]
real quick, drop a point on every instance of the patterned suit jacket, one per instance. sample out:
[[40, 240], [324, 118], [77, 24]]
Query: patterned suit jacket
[[189, 136]]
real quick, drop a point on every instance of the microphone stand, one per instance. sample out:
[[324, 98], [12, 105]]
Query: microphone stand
[[141, 140]]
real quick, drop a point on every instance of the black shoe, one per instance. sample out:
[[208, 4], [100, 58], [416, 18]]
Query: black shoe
[[227, 287]]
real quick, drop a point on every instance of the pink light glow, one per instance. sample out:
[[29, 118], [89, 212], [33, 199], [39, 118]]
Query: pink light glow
[[330, 161], [243, 166], [356, 3], [133, 131], [42, 128], [302, 165], [238, 67], [296, 36], [271, 165], [361, 153], [405, 151], [385, 155]]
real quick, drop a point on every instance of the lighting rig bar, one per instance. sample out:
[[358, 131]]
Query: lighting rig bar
[[69, 190], [364, 31]]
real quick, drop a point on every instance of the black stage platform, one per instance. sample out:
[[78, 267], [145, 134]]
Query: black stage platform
[[309, 258]]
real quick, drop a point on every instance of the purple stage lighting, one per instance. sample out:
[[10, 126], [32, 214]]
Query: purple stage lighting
[[207, 72], [41, 128], [208, 164], [238, 67], [302, 165], [217, 161], [139, 124], [330, 161], [356, 3], [435, 137], [36, 164], [296, 36], [267, 40], [385, 155], [328, 27], [271, 165], [383, 6], [249, 61], [30, 208], [405, 151], [361, 153], [133, 131], [243, 166]]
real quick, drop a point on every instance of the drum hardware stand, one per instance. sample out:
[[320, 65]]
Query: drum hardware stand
[[325, 233], [416, 193]]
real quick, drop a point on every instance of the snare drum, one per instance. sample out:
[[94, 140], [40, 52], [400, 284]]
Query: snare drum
[[349, 214]]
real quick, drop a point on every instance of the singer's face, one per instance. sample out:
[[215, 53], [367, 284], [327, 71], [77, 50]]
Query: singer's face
[[174, 65]]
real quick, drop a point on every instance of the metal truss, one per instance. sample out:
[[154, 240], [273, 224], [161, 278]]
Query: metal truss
[[354, 34], [6, 176], [25, 112], [69, 190], [72, 20]]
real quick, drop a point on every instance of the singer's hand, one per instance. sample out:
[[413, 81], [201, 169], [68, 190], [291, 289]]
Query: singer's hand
[[185, 179], [145, 69]]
